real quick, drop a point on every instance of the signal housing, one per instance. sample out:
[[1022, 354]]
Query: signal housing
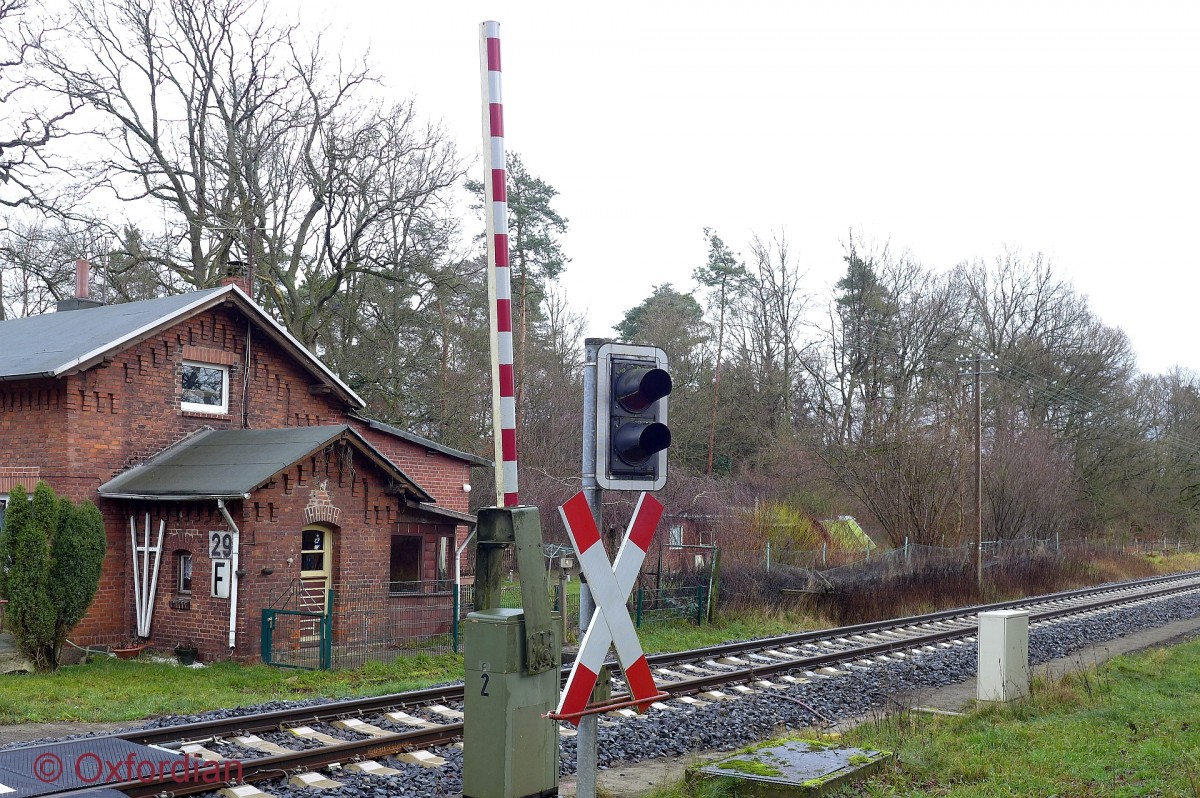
[[632, 435]]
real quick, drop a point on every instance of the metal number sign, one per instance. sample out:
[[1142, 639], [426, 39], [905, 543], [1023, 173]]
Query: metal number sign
[[221, 545], [222, 549], [222, 578]]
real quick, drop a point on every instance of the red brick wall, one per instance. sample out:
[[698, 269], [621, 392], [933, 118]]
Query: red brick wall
[[82, 430], [130, 410], [439, 474], [33, 415], [270, 523]]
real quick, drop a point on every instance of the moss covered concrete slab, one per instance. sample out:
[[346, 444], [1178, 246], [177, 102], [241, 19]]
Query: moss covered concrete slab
[[794, 768]]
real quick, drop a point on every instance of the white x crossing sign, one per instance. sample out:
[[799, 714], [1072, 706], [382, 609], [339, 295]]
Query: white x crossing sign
[[610, 586]]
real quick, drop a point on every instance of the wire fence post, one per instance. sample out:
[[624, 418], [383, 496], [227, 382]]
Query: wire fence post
[[824, 550], [641, 592], [327, 632], [768, 555]]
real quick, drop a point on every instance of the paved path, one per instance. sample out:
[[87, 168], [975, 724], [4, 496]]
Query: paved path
[[11, 659]]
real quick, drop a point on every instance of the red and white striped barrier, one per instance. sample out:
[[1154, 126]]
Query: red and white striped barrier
[[504, 402], [610, 586]]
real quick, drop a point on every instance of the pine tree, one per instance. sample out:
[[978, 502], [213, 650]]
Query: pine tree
[[726, 278]]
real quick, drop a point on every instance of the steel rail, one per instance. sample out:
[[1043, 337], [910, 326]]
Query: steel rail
[[283, 765], [270, 721]]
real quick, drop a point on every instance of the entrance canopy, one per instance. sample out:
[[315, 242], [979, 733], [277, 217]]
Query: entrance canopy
[[231, 464]]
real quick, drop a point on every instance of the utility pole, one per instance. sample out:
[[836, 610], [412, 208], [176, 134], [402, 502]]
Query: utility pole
[[973, 367]]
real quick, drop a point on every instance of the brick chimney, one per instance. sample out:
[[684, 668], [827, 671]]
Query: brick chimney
[[80, 301], [238, 273]]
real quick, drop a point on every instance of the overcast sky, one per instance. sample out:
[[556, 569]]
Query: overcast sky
[[950, 130]]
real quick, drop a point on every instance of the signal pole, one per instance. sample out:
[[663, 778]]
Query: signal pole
[[973, 367], [586, 749]]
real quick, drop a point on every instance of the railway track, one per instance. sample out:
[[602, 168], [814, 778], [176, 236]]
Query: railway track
[[323, 743]]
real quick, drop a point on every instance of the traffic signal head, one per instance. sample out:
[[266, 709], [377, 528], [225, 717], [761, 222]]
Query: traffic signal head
[[631, 417]]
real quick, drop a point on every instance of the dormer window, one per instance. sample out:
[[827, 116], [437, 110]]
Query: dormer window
[[205, 388]]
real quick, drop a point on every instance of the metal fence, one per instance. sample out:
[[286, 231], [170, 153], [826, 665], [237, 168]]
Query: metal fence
[[370, 621], [364, 621], [373, 621], [670, 604], [827, 559], [564, 599]]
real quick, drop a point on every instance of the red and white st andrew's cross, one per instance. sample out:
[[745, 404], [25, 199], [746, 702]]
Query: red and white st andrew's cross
[[610, 586]]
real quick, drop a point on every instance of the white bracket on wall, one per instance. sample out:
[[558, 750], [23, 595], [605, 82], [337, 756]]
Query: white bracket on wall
[[145, 573]]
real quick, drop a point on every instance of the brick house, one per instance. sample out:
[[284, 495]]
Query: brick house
[[199, 421], [685, 541]]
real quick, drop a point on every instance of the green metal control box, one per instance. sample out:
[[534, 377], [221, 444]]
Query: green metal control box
[[509, 749]]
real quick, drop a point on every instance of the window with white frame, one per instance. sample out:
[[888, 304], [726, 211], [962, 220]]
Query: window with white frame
[[205, 388], [184, 565], [676, 536]]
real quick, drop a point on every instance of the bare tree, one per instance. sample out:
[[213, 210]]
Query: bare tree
[[1045, 335], [1029, 485], [888, 338], [179, 85], [767, 326], [371, 194], [551, 442], [253, 148], [37, 263], [31, 117]]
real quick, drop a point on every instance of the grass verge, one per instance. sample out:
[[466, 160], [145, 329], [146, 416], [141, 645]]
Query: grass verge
[[683, 635], [1126, 728], [108, 689]]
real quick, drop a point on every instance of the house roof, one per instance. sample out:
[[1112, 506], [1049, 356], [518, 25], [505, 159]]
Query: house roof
[[405, 435], [56, 344], [230, 464]]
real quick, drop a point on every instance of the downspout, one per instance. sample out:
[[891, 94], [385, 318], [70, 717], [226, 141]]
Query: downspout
[[234, 578], [246, 369], [458, 561]]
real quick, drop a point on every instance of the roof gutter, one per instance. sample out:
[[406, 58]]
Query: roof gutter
[[41, 375], [429, 507], [183, 497]]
